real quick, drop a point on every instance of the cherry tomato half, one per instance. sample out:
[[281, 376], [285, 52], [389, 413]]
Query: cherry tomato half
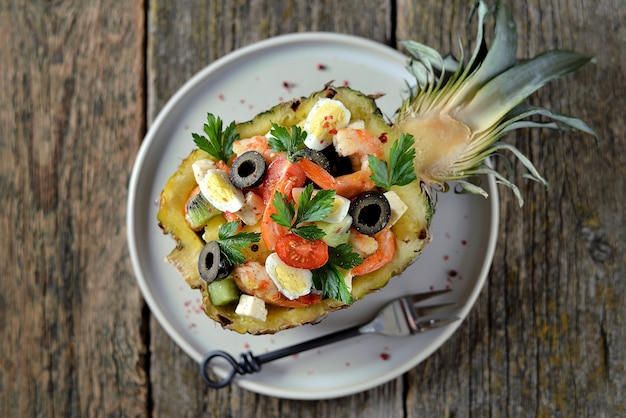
[[296, 251]]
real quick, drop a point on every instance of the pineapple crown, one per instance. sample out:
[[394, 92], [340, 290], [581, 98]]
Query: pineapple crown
[[486, 94]]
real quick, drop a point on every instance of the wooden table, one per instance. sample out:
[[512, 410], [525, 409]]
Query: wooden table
[[80, 84]]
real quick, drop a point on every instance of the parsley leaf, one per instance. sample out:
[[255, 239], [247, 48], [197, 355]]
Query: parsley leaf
[[316, 208], [310, 209], [231, 243], [218, 144], [285, 210], [227, 230], [281, 140], [329, 280], [400, 171], [343, 256], [309, 232]]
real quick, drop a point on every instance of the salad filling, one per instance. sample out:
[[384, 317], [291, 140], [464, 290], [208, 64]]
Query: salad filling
[[299, 212]]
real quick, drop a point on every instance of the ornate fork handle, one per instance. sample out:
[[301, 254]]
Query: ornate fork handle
[[249, 363], [398, 318]]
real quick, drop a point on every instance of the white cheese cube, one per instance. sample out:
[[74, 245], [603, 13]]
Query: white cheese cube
[[251, 306], [252, 209], [398, 207]]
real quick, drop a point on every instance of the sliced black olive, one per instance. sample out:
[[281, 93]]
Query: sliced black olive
[[338, 165], [212, 264], [248, 170], [317, 157], [370, 212]]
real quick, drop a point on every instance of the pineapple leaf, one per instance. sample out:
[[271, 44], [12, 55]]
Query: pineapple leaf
[[510, 88], [501, 54], [516, 116], [534, 174], [469, 187]]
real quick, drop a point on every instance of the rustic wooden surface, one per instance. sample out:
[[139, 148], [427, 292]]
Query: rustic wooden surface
[[80, 83]]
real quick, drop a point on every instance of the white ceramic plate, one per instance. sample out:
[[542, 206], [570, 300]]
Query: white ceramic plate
[[237, 87]]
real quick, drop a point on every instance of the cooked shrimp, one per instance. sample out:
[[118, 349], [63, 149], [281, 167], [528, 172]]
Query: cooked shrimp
[[256, 143], [349, 185], [386, 249], [364, 245], [252, 279], [221, 165], [356, 144]]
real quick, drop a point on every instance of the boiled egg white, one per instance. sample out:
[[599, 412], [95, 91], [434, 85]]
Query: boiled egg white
[[340, 205], [290, 281], [200, 168], [324, 119], [217, 189]]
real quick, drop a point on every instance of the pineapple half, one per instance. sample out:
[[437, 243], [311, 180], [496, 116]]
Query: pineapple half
[[457, 112]]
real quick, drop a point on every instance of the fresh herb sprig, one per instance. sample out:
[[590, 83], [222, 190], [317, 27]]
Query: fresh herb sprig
[[231, 242], [311, 208], [281, 140], [400, 171], [218, 144], [343, 256], [329, 279]]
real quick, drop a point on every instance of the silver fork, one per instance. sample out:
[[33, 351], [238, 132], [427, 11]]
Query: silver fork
[[398, 318]]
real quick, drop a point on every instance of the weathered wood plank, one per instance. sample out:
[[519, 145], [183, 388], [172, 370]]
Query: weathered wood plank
[[544, 338], [186, 36], [71, 120]]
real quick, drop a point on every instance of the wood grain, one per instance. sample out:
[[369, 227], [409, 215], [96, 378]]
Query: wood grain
[[79, 83], [72, 118]]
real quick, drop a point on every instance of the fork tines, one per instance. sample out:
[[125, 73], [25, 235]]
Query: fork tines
[[417, 313]]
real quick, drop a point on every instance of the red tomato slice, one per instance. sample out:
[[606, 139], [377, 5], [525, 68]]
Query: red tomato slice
[[296, 251]]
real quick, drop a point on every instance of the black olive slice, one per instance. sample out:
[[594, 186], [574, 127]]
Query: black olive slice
[[317, 157], [248, 170], [338, 165], [370, 212], [212, 265]]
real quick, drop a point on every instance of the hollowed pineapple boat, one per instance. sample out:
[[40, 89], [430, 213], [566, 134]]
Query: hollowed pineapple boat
[[253, 248]]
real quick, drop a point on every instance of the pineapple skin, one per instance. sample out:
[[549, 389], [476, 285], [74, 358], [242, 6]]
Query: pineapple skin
[[412, 229]]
